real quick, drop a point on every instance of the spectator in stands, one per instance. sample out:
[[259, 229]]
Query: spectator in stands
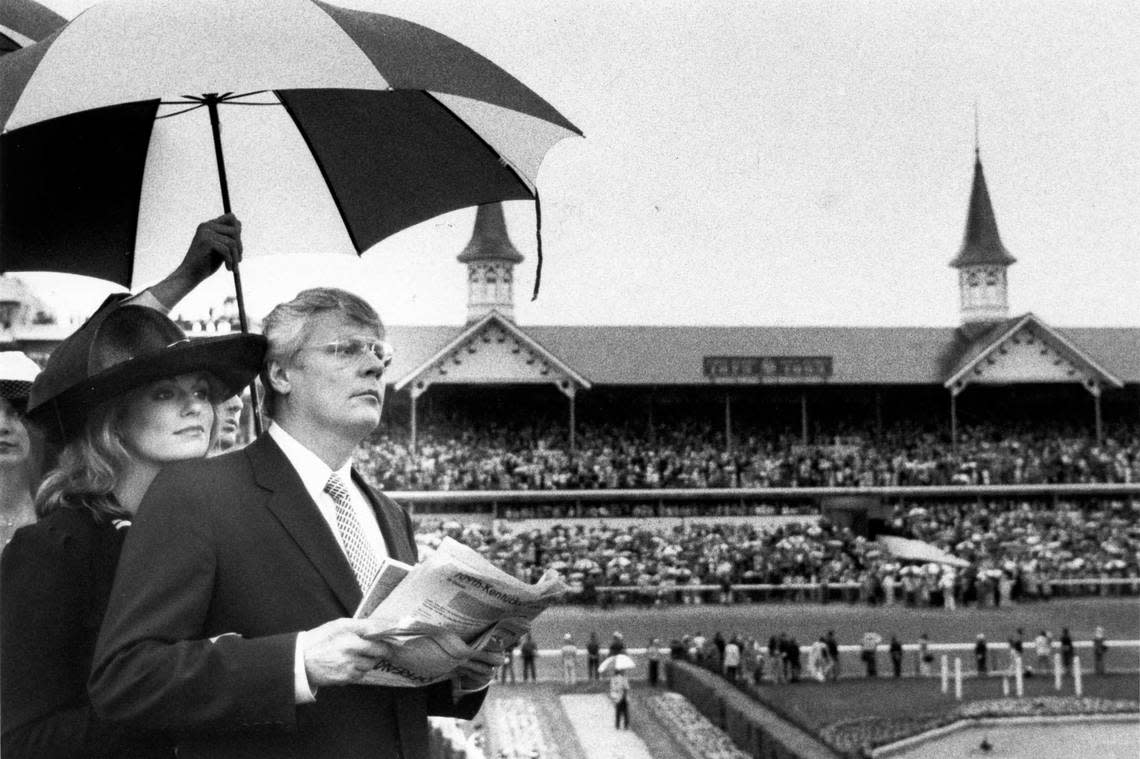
[[21, 446], [529, 650], [463, 453], [819, 660], [1025, 542], [619, 694], [1067, 651], [924, 658], [981, 653], [833, 653], [791, 651], [732, 659], [869, 653], [719, 643], [508, 668], [569, 660], [1016, 649], [593, 657], [1043, 647], [1099, 650], [653, 656], [227, 426], [617, 644], [896, 652], [776, 658]]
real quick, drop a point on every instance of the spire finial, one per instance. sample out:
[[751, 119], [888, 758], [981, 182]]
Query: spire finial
[[977, 143]]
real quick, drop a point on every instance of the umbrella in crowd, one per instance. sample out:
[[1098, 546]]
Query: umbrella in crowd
[[17, 372], [325, 129], [620, 663], [24, 22]]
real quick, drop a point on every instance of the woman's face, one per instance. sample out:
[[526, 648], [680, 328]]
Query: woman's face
[[14, 443], [170, 419]]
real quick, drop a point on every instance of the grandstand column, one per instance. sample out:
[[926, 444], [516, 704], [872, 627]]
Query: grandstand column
[[1094, 388], [416, 389], [878, 415], [954, 390], [728, 423], [573, 421], [570, 390], [803, 418]]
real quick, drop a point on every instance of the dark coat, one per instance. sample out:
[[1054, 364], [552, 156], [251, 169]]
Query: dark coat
[[235, 544], [55, 578]]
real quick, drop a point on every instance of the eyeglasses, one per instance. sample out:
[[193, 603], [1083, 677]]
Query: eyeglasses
[[355, 348]]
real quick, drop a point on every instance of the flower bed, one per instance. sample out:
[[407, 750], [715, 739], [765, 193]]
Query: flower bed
[[517, 727], [853, 736], [690, 728]]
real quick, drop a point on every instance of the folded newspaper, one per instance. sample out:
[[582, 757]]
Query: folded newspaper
[[439, 611]]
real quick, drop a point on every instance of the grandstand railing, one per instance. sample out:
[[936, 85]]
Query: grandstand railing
[[749, 501], [814, 591]]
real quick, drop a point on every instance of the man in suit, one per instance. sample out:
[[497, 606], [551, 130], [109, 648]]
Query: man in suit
[[228, 624]]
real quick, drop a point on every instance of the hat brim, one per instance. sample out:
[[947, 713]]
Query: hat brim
[[15, 390], [234, 360]]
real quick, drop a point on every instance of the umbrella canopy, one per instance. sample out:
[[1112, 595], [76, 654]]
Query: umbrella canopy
[[331, 129], [25, 22], [620, 663], [17, 372], [916, 550]]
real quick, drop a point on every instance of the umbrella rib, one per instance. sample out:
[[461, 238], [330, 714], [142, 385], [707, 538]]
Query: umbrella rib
[[178, 113]]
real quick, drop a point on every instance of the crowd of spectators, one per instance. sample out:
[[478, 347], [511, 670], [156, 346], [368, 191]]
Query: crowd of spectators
[[500, 456], [1012, 550]]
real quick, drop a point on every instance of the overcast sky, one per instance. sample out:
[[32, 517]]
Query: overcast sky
[[780, 163]]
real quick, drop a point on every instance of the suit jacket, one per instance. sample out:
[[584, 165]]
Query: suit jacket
[[235, 544], [55, 577]]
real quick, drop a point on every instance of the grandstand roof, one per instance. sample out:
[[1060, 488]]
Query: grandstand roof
[[662, 355]]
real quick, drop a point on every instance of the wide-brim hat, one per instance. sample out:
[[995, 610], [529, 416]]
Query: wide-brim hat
[[17, 372], [121, 348]]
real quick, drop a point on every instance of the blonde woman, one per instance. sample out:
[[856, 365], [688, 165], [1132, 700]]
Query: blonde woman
[[125, 395]]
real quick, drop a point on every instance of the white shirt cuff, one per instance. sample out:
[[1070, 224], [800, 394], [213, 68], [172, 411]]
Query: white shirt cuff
[[302, 693]]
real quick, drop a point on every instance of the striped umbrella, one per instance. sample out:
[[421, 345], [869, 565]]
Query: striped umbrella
[[24, 22], [325, 129]]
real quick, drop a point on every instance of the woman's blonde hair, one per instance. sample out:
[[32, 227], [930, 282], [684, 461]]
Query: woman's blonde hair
[[89, 467]]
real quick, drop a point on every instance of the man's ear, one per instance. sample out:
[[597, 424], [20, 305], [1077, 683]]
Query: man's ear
[[278, 377]]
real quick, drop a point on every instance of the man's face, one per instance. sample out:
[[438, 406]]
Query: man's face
[[330, 391], [228, 414]]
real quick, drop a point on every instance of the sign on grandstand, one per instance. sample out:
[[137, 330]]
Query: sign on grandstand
[[756, 368]]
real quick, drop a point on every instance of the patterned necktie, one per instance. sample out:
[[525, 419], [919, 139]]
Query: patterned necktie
[[360, 555]]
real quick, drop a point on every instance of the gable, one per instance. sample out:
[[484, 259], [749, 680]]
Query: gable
[[1027, 350]]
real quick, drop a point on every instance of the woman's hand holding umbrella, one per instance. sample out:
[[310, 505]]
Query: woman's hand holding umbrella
[[216, 242]]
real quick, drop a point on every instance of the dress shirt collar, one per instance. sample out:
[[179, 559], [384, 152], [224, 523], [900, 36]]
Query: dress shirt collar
[[313, 472]]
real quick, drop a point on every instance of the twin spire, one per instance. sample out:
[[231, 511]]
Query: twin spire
[[983, 287], [981, 262], [490, 257]]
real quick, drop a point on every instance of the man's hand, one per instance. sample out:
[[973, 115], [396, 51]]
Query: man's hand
[[477, 672], [338, 653]]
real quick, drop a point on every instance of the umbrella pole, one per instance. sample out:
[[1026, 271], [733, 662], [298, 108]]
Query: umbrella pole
[[212, 101]]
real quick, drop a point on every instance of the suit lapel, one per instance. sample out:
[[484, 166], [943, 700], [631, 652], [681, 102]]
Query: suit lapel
[[291, 504]]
